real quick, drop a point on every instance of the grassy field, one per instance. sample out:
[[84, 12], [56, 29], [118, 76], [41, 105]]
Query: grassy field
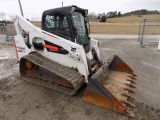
[[123, 25], [114, 28]]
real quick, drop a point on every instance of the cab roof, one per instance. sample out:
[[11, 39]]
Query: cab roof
[[67, 10]]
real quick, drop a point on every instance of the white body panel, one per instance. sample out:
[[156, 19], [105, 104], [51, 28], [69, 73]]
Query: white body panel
[[159, 44], [75, 59]]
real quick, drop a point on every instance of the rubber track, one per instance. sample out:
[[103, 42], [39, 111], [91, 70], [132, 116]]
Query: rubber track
[[75, 78]]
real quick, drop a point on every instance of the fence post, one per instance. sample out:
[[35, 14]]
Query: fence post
[[139, 32], [141, 42]]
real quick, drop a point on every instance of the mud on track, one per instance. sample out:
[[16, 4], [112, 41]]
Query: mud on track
[[20, 100]]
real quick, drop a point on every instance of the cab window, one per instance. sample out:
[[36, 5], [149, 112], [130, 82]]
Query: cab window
[[58, 25], [49, 22], [79, 25]]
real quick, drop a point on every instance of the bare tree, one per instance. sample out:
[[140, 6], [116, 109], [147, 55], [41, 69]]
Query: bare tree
[[92, 16], [2, 15], [119, 14]]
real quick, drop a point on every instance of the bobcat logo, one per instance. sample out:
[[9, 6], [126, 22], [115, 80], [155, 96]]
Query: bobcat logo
[[73, 49]]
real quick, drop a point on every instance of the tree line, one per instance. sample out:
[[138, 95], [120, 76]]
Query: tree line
[[102, 17], [142, 12]]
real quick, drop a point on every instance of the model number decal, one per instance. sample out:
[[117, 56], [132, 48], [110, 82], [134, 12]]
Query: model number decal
[[20, 48]]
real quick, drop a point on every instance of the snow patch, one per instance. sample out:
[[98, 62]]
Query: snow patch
[[4, 57]]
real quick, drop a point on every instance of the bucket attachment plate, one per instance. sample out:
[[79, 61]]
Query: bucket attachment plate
[[112, 87]]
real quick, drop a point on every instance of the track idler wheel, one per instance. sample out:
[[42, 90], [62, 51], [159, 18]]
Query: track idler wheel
[[29, 65]]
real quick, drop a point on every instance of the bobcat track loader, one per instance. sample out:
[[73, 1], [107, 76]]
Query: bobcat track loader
[[63, 57]]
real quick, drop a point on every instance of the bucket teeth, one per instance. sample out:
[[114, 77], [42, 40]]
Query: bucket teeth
[[130, 113], [132, 77], [128, 96], [129, 90], [128, 103], [132, 81], [130, 85]]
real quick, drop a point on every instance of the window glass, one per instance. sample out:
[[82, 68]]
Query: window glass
[[49, 21], [79, 24], [58, 25]]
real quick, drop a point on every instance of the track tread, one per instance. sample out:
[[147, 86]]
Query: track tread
[[75, 78]]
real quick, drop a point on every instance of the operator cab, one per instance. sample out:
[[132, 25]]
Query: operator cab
[[69, 23]]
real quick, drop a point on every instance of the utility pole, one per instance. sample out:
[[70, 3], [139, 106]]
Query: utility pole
[[62, 3], [20, 7]]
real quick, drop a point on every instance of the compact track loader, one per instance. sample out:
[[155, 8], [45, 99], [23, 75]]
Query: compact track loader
[[63, 57]]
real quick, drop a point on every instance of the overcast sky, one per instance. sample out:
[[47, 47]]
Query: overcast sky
[[36, 7]]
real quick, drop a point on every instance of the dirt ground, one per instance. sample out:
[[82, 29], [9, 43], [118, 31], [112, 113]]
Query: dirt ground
[[20, 100]]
